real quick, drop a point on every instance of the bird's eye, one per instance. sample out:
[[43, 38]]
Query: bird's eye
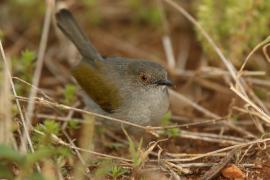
[[143, 77]]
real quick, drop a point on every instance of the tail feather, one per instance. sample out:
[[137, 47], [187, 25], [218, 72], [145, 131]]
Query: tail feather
[[68, 25]]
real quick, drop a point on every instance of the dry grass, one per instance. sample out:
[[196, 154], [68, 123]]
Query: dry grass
[[6, 136]]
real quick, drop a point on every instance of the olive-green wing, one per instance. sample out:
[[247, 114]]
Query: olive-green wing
[[100, 89]]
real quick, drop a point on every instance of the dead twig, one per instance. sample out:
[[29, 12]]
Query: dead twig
[[6, 136], [28, 139], [241, 145], [263, 115], [215, 170], [225, 61], [61, 142], [38, 70]]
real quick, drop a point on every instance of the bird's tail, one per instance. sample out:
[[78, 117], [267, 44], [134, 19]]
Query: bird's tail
[[68, 25]]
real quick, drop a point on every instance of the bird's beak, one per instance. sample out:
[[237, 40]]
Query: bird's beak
[[164, 82]]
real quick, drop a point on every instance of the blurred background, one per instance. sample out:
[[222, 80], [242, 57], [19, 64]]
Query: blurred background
[[155, 30], [150, 30]]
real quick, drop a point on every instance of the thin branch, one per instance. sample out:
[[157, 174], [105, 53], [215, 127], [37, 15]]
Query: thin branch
[[241, 145], [266, 55], [263, 116], [65, 107], [225, 61], [23, 143], [215, 170], [166, 40], [252, 52], [38, 70], [61, 142], [6, 136]]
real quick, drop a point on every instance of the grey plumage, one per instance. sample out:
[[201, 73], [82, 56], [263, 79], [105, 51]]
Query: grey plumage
[[128, 89], [71, 29]]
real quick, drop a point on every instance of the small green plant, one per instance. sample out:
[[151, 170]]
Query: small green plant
[[135, 150], [24, 63], [103, 169], [93, 14], [72, 124], [23, 67], [117, 171], [151, 15], [11, 159], [43, 140], [70, 94], [236, 26], [115, 145], [110, 169], [165, 121], [48, 128], [24, 8], [146, 12]]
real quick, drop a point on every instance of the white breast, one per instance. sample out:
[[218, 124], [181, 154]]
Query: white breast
[[145, 106]]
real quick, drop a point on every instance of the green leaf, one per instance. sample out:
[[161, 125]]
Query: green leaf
[[103, 169], [9, 154], [39, 155], [51, 127], [134, 150], [73, 124], [165, 121], [70, 94], [151, 15], [235, 26], [27, 57], [117, 171], [173, 132], [36, 176], [6, 172], [45, 152]]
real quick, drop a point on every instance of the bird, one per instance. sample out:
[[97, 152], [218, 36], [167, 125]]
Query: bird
[[133, 90]]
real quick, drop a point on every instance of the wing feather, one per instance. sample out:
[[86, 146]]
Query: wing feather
[[100, 89]]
